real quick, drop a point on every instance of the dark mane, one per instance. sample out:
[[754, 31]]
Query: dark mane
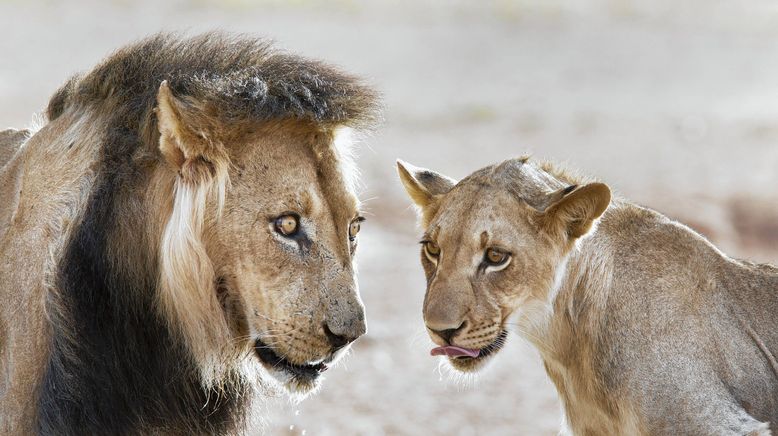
[[237, 78]]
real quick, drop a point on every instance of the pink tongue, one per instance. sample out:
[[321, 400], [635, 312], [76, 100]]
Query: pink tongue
[[451, 350]]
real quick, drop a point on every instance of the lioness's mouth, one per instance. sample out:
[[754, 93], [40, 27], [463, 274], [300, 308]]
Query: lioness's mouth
[[305, 373], [467, 359]]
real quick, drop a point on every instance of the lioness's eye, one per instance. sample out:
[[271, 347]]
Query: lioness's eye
[[432, 249], [354, 228], [494, 256], [287, 225]]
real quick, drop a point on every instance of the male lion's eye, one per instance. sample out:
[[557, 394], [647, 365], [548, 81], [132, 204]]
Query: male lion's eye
[[287, 225], [432, 249], [354, 228], [495, 257]]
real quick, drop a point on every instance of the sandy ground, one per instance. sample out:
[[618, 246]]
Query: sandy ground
[[676, 107]]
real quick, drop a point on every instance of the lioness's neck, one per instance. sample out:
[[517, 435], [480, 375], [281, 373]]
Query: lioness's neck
[[576, 307], [576, 294]]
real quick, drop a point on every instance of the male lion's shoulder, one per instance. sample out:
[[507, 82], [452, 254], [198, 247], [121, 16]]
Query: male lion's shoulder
[[10, 141]]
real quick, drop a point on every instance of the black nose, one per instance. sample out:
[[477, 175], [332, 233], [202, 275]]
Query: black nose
[[447, 334], [338, 341]]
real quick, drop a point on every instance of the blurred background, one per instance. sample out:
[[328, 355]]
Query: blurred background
[[673, 104]]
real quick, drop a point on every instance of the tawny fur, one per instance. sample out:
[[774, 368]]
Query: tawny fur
[[643, 325], [173, 157]]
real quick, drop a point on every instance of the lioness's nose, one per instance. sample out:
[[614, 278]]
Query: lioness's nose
[[443, 318], [340, 334], [447, 333]]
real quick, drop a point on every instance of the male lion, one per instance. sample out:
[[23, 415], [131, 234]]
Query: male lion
[[180, 230], [643, 325]]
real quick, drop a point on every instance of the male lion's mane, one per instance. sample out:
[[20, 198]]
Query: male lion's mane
[[115, 367]]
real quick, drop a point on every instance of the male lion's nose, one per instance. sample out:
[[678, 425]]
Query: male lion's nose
[[341, 334], [447, 333]]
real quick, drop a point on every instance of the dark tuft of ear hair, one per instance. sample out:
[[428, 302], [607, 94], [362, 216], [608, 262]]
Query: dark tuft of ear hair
[[579, 208], [423, 185]]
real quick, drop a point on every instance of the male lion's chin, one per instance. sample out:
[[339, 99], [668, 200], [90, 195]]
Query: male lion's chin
[[468, 364], [297, 379], [295, 386]]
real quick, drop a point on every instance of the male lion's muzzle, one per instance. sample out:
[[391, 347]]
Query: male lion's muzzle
[[345, 321], [296, 351]]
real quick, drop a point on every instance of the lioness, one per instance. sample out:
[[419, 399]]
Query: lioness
[[177, 235], [643, 325]]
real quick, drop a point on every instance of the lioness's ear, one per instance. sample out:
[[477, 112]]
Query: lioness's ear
[[577, 209], [423, 185]]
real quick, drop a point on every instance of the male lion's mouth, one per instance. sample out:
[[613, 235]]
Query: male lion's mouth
[[301, 374], [468, 358]]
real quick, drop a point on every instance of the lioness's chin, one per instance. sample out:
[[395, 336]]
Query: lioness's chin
[[475, 364], [298, 379]]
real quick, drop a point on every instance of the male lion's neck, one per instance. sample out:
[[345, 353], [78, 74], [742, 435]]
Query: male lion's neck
[[115, 367]]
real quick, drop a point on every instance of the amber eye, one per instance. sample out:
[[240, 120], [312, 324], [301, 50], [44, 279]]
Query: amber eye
[[287, 225], [354, 228], [495, 256], [431, 249]]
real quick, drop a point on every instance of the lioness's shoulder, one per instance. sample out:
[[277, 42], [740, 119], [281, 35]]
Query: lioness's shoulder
[[10, 141]]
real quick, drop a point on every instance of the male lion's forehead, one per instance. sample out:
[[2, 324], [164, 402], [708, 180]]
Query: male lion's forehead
[[311, 178], [304, 199]]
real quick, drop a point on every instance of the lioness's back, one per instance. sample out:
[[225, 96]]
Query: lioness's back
[[678, 318]]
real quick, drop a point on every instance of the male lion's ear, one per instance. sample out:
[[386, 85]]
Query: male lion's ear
[[183, 141], [171, 127], [578, 208], [422, 184]]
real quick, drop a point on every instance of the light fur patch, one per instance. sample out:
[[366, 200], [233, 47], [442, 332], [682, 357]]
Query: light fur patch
[[533, 316], [37, 122], [343, 144], [187, 277]]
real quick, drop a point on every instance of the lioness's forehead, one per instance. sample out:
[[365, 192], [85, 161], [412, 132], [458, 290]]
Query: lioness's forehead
[[473, 209], [489, 194]]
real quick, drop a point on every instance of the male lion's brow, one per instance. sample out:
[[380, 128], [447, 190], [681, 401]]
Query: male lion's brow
[[302, 202], [291, 205]]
